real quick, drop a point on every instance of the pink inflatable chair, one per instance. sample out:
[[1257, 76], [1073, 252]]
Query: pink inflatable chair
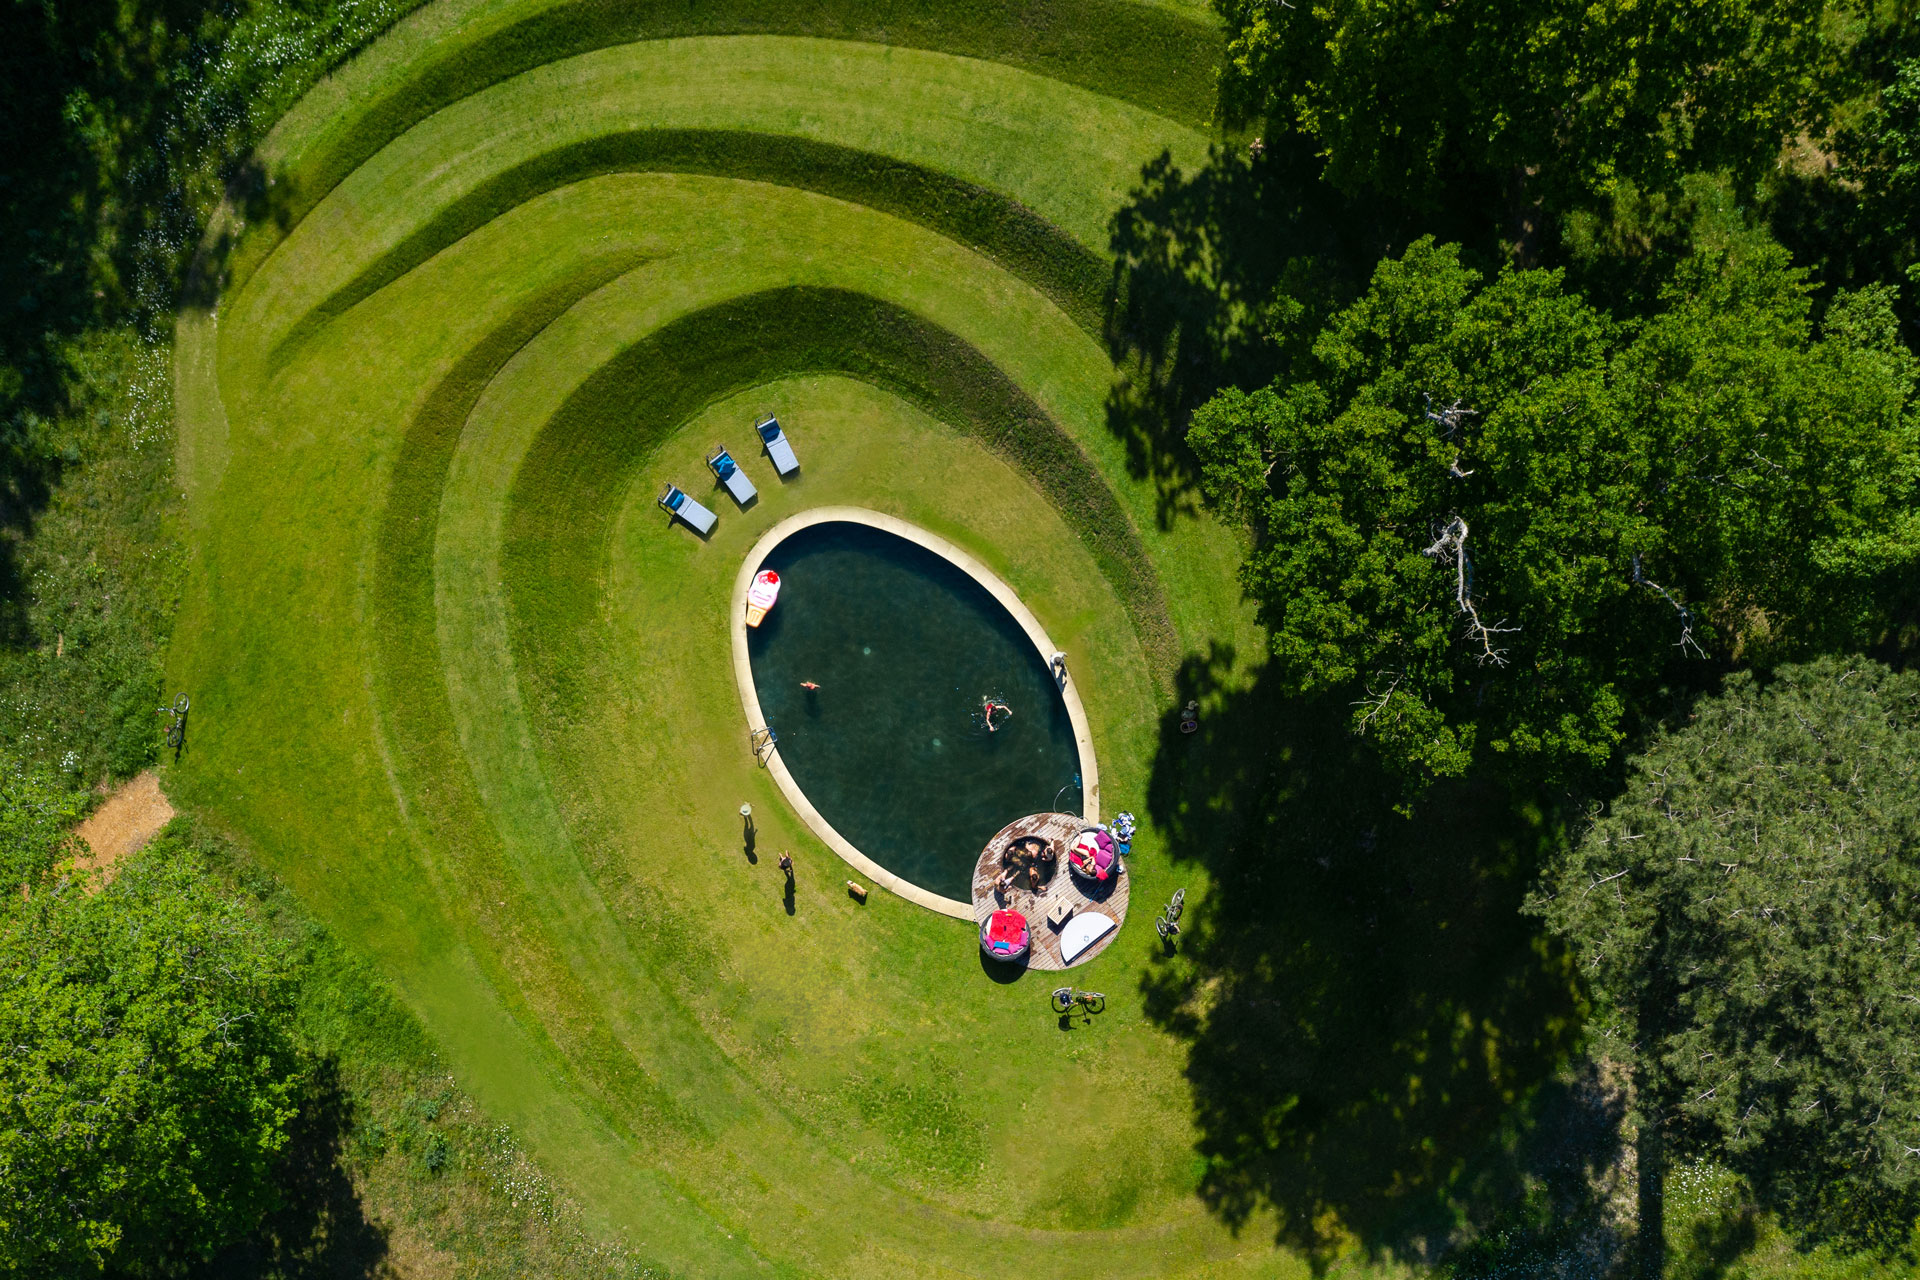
[[1093, 855], [1005, 935]]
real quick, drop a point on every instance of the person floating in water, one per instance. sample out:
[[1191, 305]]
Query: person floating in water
[[989, 709], [810, 686]]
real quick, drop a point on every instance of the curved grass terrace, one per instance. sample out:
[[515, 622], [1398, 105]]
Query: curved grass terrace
[[459, 684], [984, 125], [1158, 56]]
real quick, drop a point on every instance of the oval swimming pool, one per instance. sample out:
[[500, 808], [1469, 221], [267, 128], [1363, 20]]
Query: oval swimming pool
[[892, 748]]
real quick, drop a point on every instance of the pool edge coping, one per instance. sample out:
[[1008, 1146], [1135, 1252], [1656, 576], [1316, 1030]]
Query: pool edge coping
[[998, 589]]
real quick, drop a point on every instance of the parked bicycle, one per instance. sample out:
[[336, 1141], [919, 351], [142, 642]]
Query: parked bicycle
[[1066, 998], [1168, 925], [177, 731]]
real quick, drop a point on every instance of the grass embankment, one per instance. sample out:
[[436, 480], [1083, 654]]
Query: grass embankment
[[637, 398], [1073, 277], [1161, 58], [419, 518], [984, 125]]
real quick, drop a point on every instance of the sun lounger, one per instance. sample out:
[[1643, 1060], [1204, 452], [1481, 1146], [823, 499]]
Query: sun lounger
[[698, 518], [777, 447], [728, 472]]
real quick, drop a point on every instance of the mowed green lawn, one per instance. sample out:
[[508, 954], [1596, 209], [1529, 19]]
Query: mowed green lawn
[[460, 682]]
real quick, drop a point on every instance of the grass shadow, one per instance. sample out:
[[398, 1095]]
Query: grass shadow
[[1225, 275], [1714, 1246], [1372, 1026], [320, 1227], [1002, 972], [1210, 267]]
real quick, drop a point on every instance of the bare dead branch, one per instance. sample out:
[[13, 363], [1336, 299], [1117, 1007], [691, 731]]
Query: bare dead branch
[[1375, 703], [1603, 880], [1447, 417], [1686, 641], [1451, 547]]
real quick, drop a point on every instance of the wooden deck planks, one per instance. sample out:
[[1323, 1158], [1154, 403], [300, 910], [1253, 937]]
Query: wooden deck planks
[[1058, 829]]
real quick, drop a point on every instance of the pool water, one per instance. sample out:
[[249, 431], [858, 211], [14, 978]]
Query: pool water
[[892, 749]]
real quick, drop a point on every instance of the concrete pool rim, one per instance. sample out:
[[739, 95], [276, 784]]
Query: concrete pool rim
[[999, 590]]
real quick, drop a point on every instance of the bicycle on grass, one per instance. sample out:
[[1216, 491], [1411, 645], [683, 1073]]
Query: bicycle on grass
[[1168, 925], [1066, 998]]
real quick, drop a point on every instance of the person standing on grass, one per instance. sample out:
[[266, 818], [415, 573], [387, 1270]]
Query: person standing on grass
[[786, 864]]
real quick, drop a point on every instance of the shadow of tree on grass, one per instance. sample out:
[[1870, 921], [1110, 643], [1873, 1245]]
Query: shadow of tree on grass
[[1376, 1035], [320, 1228], [1198, 259], [1223, 276]]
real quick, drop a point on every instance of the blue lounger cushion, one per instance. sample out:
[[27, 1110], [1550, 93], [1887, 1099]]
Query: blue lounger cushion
[[697, 517], [778, 449], [728, 472]]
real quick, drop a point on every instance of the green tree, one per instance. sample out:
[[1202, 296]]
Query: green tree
[[1404, 97], [1747, 915], [146, 1074], [1500, 521], [1881, 160]]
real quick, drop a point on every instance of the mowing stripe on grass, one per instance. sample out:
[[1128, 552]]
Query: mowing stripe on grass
[[415, 715], [1154, 57], [985, 124], [1073, 276], [634, 400]]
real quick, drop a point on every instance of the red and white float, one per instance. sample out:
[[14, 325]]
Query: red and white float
[[761, 596]]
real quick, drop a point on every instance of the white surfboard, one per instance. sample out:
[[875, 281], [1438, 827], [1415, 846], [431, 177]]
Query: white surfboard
[[1085, 929]]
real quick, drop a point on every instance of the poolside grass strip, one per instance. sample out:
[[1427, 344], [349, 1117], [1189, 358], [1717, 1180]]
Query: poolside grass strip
[[578, 467], [998, 227]]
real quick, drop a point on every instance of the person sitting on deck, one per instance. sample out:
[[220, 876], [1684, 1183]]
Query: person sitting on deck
[[1093, 854]]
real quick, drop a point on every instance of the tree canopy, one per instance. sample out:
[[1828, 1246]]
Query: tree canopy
[[146, 1074], [1748, 917], [1500, 520], [1402, 97], [1880, 161]]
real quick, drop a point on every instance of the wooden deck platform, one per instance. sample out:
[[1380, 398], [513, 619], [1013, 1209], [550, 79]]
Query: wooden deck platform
[[1058, 829]]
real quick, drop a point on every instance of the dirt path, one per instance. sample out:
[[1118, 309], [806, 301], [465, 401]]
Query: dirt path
[[130, 817]]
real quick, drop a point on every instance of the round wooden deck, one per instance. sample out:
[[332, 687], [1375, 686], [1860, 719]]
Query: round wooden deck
[[1059, 830]]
